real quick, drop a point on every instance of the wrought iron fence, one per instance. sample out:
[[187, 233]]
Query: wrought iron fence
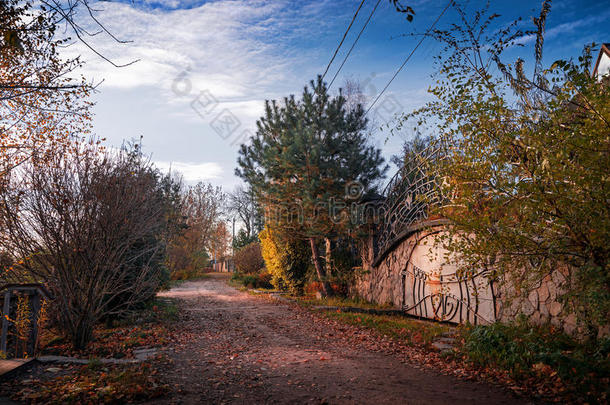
[[409, 195], [454, 297], [433, 291]]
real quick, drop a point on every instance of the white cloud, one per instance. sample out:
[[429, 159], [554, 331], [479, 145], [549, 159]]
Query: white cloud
[[234, 48], [193, 172]]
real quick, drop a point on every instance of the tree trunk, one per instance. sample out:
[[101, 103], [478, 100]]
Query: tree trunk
[[82, 335], [327, 290]]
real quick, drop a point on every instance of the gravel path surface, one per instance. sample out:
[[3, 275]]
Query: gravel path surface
[[237, 348]]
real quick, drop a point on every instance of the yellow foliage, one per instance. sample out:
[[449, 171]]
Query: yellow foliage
[[22, 324], [286, 259], [271, 255], [41, 321]]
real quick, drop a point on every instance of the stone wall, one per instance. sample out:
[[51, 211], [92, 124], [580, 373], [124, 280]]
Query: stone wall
[[382, 284], [540, 305], [388, 283]]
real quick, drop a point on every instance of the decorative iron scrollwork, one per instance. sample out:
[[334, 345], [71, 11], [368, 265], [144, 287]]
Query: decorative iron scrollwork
[[409, 195], [452, 297], [408, 198]]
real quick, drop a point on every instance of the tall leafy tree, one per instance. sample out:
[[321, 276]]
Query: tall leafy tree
[[527, 171], [304, 156]]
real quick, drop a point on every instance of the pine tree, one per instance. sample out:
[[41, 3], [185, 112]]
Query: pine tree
[[303, 156]]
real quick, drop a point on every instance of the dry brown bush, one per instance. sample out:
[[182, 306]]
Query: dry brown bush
[[249, 258]]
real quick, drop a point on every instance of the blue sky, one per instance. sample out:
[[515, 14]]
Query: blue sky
[[206, 67]]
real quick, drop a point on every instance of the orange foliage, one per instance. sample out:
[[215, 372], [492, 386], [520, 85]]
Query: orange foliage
[[41, 107]]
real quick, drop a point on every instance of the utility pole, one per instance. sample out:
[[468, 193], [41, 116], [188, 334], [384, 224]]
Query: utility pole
[[233, 243]]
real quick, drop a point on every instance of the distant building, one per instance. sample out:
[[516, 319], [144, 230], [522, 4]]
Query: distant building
[[223, 265], [602, 65]]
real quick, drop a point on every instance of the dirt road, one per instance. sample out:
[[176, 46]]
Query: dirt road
[[237, 348]]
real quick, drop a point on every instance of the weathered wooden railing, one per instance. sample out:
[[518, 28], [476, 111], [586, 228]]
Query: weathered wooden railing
[[32, 296]]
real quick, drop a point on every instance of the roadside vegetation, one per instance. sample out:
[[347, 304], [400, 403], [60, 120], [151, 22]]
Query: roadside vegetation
[[310, 300], [147, 328], [541, 355], [407, 330], [258, 281], [103, 230], [300, 178], [525, 162]]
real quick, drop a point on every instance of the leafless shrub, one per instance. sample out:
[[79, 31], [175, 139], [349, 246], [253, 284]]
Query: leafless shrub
[[85, 223]]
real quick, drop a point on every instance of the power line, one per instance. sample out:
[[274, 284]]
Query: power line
[[408, 57], [343, 39], [354, 44]]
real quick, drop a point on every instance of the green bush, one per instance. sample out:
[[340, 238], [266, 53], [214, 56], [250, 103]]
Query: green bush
[[257, 280], [242, 240], [345, 258], [524, 350]]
